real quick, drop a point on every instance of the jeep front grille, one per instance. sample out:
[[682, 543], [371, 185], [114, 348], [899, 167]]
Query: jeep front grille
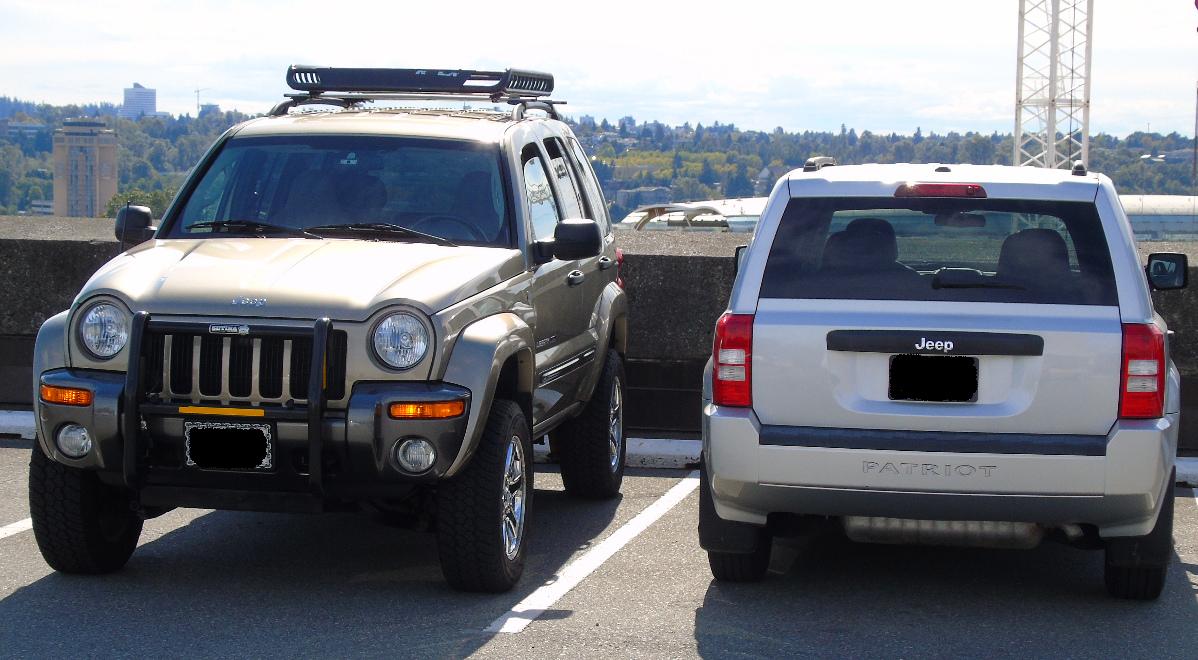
[[266, 369]]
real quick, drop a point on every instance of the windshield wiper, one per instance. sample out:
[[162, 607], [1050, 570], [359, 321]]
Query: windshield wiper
[[252, 225], [381, 228]]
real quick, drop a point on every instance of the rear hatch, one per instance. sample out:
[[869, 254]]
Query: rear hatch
[[938, 313]]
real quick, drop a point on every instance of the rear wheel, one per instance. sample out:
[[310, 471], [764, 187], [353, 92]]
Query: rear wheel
[[482, 512], [592, 446], [81, 524], [748, 566], [1136, 567]]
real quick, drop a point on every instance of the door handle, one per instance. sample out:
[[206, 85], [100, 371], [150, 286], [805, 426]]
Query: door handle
[[605, 263], [575, 278]]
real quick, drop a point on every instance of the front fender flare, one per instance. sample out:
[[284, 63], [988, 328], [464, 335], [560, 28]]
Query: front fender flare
[[476, 362], [49, 352]]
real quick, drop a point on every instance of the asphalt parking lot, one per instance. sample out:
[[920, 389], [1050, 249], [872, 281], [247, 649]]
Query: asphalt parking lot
[[209, 584]]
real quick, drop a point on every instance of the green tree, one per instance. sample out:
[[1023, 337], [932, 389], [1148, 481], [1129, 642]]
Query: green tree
[[157, 200]]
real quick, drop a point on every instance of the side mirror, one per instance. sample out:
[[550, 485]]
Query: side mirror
[[1167, 270], [739, 259], [572, 239], [133, 225]]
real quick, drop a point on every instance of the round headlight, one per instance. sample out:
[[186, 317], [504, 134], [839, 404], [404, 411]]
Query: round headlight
[[104, 330], [401, 340]]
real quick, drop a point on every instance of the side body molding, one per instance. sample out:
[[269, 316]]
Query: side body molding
[[476, 362]]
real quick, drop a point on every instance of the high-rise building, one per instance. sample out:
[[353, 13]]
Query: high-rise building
[[139, 101], [85, 174]]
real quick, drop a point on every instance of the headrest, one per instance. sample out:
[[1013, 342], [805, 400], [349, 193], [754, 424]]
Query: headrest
[[1034, 253]]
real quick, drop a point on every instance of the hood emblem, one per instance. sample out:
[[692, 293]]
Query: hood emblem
[[228, 329], [252, 302]]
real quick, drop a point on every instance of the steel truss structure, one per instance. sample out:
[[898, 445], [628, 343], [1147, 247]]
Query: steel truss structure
[[1052, 88]]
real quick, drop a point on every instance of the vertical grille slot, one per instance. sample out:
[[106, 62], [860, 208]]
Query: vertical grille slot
[[241, 367], [270, 368], [181, 348], [338, 344], [210, 365], [152, 353], [301, 366]]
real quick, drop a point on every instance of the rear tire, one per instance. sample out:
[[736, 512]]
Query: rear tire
[[748, 566], [1136, 567], [592, 446], [742, 567], [81, 524], [483, 511]]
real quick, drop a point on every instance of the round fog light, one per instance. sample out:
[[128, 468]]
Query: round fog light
[[415, 454], [74, 440]]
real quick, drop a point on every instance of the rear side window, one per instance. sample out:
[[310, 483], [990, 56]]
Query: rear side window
[[987, 250]]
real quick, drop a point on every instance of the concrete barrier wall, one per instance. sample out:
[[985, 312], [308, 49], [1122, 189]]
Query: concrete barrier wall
[[677, 283]]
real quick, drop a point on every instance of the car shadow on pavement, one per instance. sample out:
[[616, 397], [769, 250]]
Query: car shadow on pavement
[[257, 585], [829, 597]]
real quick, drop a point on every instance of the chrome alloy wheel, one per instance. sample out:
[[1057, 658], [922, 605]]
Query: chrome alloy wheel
[[615, 424], [515, 490]]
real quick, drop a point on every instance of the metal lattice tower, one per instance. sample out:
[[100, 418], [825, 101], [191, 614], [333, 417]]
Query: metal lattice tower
[[1052, 87]]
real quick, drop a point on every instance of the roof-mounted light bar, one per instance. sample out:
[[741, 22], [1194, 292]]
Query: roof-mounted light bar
[[495, 84], [967, 190]]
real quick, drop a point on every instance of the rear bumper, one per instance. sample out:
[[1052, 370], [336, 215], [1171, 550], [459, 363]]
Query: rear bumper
[[1115, 482]]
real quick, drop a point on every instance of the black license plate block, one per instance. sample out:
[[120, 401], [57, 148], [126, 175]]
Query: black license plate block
[[229, 446], [934, 378]]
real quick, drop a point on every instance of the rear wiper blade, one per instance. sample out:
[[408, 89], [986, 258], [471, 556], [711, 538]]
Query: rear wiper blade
[[382, 228], [252, 225], [937, 284]]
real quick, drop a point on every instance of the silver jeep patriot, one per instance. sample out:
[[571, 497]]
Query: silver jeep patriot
[[369, 306], [958, 355]]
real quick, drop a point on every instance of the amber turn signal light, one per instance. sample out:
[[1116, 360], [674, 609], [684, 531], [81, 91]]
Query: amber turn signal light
[[427, 409], [67, 396]]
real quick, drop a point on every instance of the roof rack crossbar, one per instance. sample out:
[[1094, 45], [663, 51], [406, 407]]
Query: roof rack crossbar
[[496, 84]]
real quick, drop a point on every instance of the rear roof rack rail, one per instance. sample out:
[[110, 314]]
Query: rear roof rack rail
[[347, 87]]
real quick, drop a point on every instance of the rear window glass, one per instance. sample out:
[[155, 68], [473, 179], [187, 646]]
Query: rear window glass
[[986, 250]]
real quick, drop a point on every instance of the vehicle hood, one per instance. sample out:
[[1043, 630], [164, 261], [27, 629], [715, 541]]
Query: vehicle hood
[[298, 278]]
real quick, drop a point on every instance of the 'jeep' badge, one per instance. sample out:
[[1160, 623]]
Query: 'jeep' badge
[[228, 329]]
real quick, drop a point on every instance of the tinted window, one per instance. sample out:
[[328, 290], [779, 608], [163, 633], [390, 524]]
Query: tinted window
[[597, 206], [938, 249], [570, 199], [540, 199], [449, 189]]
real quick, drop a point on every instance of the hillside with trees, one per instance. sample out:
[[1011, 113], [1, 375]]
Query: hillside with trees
[[636, 162]]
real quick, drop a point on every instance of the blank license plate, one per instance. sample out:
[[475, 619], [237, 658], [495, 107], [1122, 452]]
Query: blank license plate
[[945, 378], [228, 445]]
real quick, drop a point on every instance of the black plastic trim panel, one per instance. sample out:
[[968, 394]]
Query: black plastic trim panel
[[920, 342], [934, 441]]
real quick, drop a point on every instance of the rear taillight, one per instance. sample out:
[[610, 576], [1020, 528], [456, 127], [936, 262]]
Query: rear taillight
[[1142, 383], [969, 190], [732, 373], [619, 268]]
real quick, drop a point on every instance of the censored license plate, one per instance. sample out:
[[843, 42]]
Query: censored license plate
[[228, 445], [944, 378]]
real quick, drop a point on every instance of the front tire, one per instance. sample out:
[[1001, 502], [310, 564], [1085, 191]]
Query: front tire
[[592, 447], [81, 524], [482, 512], [1136, 567]]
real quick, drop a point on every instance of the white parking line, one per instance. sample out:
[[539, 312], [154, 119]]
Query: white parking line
[[527, 610], [16, 528]]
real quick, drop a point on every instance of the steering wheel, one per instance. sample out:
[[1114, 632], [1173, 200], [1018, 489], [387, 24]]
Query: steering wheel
[[473, 232]]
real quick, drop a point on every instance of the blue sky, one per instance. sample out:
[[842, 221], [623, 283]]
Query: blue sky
[[870, 64]]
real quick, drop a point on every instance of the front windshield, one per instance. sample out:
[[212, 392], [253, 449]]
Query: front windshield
[[449, 189]]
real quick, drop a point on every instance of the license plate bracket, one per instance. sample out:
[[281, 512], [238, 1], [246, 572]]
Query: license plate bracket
[[235, 446], [934, 378]]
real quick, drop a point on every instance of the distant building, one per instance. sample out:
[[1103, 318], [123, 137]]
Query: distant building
[[209, 109], [85, 174], [41, 207], [139, 102], [587, 121], [17, 129]]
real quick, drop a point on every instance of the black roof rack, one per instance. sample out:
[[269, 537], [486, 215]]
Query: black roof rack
[[348, 86]]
